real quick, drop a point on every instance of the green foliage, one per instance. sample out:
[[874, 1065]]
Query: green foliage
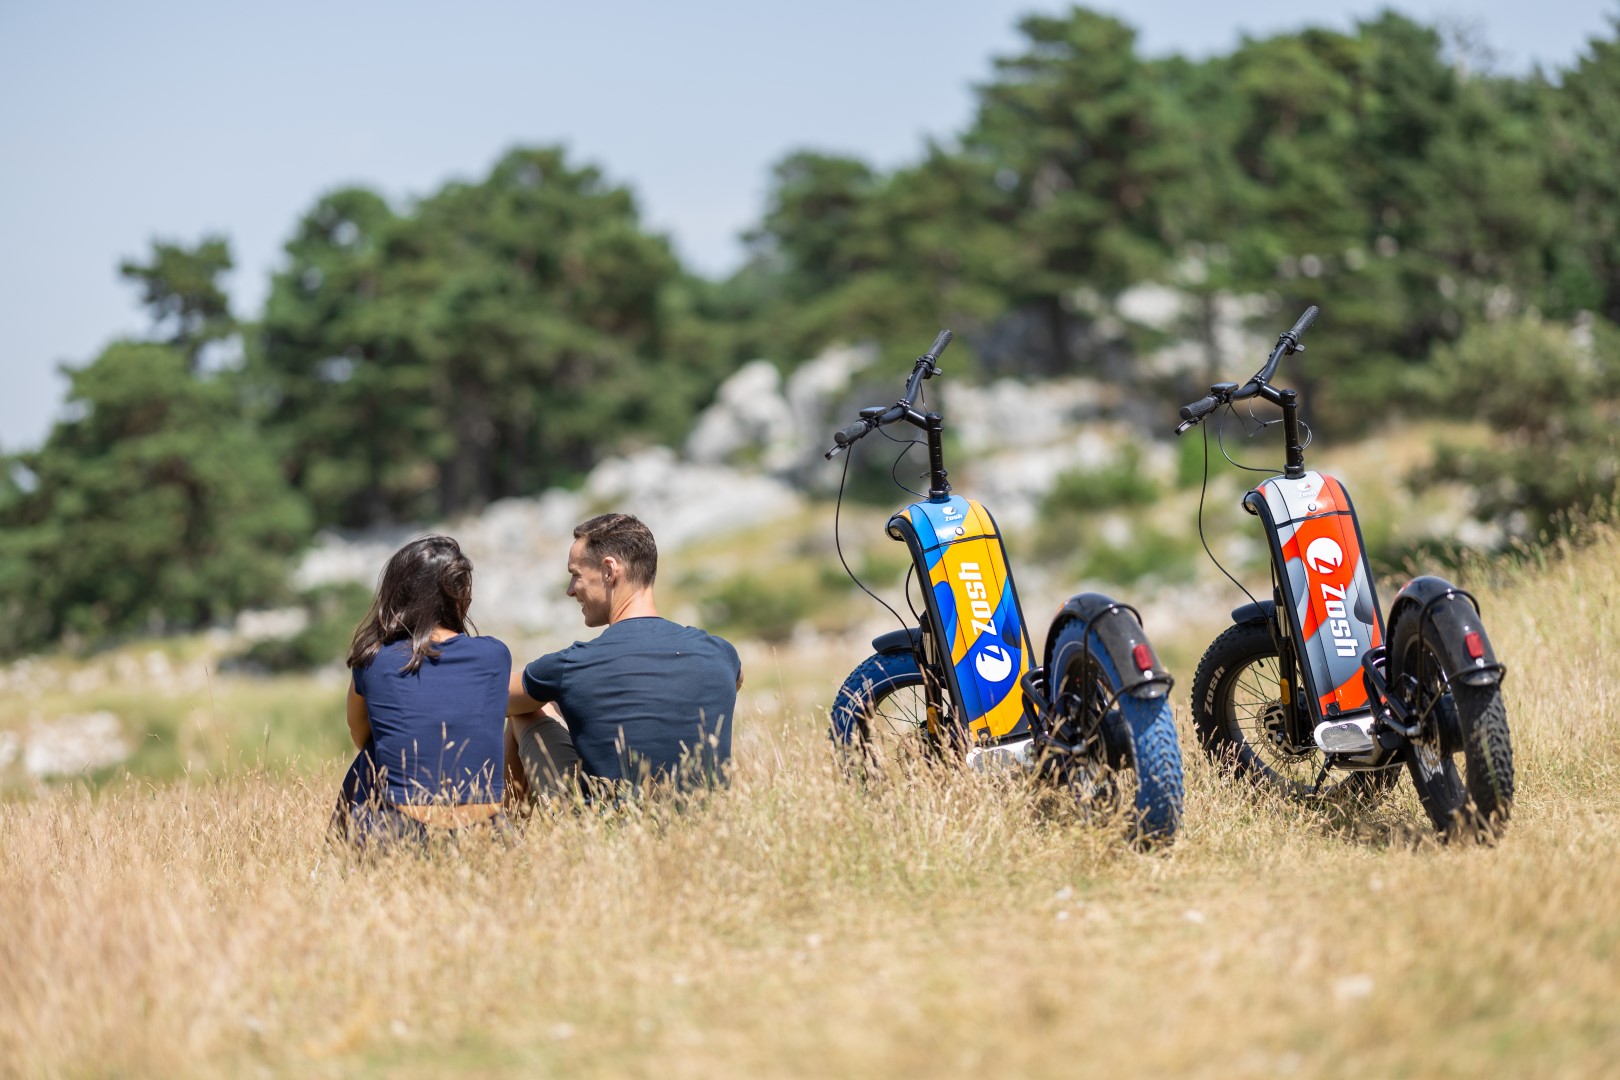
[[1552, 400], [844, 254], [497, 339], [1149, 553], [1585, 130], [157, 505], [1192, 459], [332, 612], [1368, 171], [180, 288], [502, 335], [749, 606], [1083, 491], [1090, 147], [879, 569]]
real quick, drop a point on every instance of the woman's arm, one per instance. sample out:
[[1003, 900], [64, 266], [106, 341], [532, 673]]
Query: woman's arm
[[359, 719]]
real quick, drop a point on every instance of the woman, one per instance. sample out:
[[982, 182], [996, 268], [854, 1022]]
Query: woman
[[426, 706]]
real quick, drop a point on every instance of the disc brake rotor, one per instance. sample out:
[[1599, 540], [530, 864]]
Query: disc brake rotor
[[1274, 722]]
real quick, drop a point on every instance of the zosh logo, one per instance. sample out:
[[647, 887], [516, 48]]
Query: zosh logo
[[993, 664], [1324, 555], [973, 584]]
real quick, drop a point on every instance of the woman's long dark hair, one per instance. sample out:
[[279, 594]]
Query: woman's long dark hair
[[427, 583]]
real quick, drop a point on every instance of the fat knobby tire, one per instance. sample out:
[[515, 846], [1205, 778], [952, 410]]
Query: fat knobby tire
[[1479, 804], [1154, 753], [1234, 652], [864, 690], [1488, 748]]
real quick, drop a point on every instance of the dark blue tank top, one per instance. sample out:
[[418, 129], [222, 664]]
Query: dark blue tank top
[[437, 734]]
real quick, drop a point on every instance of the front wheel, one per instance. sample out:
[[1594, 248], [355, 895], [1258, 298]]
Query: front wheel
[[1102, 733], [880, 713], [1477, 800], [1238, 709]]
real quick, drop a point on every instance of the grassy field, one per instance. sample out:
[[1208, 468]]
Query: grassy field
[[797, 925]]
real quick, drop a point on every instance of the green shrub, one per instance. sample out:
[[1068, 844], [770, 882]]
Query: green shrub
[[747, 606], [1190, 459], [1149, 552], [1552, 399], [1122, 484]]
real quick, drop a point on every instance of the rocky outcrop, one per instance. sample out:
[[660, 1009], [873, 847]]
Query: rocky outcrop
[[760, 420], [519, 547]]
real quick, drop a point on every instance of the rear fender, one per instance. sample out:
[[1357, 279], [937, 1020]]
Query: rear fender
[[1118, 629], [1447, 617]]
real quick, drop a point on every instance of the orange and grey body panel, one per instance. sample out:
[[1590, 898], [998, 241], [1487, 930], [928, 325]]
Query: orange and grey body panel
[[974, 610], [1327, 589]]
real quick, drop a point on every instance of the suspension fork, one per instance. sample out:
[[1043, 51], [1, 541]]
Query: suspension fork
[[941, 722], [1296, 719]]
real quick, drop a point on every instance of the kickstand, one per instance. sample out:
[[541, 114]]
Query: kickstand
[[1316, 788]]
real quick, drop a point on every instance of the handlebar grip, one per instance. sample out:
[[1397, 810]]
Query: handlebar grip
[[1200, 408], [1305, 321], [939, 344], [851, 433]]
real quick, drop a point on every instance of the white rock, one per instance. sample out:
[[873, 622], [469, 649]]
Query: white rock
[[1009, 413], [1151, 304], [749, 413], [274, 623], [72, 744], [682, 501]]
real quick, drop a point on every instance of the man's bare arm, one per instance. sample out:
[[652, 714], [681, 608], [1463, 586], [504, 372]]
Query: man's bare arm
[[518, 701]]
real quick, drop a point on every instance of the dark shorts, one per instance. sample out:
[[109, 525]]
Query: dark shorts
[[550, 762]]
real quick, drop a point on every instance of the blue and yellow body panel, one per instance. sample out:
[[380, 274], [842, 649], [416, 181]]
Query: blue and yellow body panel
[[974, 610]]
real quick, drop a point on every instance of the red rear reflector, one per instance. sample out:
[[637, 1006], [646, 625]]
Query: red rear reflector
[[1144, 657], [1474, 644]]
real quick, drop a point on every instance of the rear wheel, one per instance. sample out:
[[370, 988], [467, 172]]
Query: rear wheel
[[1238, 710], [880, 713], [1475, 800], [1112, 746]]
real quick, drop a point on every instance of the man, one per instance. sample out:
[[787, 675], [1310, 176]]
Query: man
[[645, 699]]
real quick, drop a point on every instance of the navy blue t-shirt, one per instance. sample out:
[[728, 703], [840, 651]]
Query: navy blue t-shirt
[[439, 732], [642, 695]]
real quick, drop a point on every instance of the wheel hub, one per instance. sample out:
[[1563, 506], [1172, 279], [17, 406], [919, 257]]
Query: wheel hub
[[1274, 722]]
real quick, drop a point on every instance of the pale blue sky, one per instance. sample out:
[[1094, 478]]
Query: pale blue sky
[[120, 123]]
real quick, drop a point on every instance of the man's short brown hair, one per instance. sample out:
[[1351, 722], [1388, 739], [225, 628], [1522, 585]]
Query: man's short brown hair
[[624, 537]]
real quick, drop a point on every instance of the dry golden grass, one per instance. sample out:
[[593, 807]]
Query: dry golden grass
[[797, 925]]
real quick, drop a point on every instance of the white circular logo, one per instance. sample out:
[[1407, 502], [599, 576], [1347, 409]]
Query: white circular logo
[[993, 664], [1324, 555]]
